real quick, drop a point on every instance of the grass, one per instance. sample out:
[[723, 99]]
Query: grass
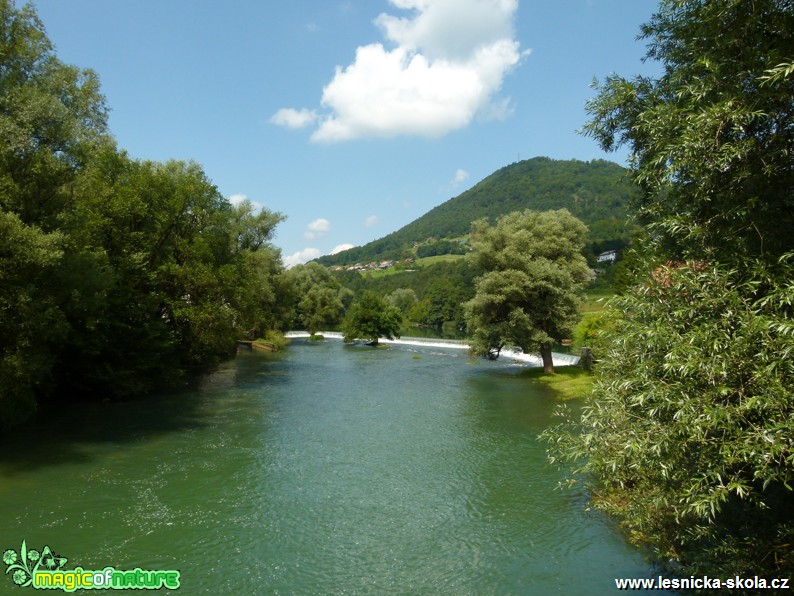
[[568, 382], [426, 261], [418, 264], [595, 300]]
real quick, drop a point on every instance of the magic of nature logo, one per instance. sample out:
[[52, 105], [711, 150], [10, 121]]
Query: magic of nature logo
[[43, 569]]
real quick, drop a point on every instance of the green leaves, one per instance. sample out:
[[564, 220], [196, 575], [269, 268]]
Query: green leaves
[[530, 293], [116, 275], [370, 318], [687, 402], [687, 433], [711, 139]]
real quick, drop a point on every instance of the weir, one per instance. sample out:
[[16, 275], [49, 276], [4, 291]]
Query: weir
[[459, 344]]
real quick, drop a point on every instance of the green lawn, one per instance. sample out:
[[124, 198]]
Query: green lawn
[[568, 382], [427, 261], [595, 300]]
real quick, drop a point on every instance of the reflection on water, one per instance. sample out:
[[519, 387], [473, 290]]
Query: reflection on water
[[323, 469]]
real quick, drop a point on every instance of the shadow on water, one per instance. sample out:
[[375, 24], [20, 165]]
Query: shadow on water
[[75, 432]]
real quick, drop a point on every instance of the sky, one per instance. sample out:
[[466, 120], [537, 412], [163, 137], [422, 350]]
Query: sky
[[352, 118]]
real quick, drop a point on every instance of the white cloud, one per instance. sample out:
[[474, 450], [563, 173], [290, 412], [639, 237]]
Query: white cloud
[[340, 248], [319, 225], [302, 256], [370, 221], [459, 178], [292, 118], [317, 228], [449, 29], [236, 199], [448, 61]]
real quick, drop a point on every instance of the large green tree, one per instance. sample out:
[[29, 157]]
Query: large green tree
[[688, 432], [369, 318], [116, 275], [711, 139], [318, 298], [534, 275]]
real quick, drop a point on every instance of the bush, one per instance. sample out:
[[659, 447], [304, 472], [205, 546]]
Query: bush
[[688, 432]]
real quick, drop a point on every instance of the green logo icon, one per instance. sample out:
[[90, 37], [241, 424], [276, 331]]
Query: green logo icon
[[46, 570], [24, 566]]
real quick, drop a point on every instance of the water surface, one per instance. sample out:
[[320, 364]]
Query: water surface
[[322, 469]]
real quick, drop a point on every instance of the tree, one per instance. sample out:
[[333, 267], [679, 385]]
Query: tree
[[116, 275], [319, 299], [31, 321], [319, 306], [712, 138], [371, 318], [687, 435], [52, 116], [688, 432], [403, 299], [531, 291]]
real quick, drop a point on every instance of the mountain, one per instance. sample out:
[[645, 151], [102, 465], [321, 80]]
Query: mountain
[[596, 192]]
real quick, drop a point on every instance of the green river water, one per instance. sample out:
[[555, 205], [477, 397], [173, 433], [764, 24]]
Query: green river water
[[324, 469]]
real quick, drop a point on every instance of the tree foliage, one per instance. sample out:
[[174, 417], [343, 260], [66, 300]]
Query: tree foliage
[[712, 138], [319, 299], [370, 318], [116, 275], [689, 428], [530, 293], [688, 432], [441, 289]]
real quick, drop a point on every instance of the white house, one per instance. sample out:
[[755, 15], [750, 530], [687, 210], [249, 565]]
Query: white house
[[607, 257]]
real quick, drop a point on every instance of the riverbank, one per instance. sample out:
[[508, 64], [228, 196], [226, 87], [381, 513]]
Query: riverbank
[[568, 382]]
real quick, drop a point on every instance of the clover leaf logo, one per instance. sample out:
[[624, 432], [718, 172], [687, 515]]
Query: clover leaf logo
[[28, 562]]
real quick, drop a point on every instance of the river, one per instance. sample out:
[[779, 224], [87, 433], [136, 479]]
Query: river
[[323, 469]]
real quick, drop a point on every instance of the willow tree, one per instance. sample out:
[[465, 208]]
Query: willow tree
[[369, 318], [687, 436], [531, 291]]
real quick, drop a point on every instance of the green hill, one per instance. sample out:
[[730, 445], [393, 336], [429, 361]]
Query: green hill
[[596, 192]]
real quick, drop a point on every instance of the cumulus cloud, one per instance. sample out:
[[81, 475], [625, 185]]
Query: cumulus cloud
[[370, 221], [340, 248], [317, 228], [302, 256], [459, 178], [292, 118], [236, 199], [448, 60]]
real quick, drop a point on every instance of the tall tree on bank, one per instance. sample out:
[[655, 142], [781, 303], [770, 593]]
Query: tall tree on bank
[[532, 288], [116, 276], [687, 434]]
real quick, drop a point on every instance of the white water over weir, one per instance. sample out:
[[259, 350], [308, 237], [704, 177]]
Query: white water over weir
[[460, 344]]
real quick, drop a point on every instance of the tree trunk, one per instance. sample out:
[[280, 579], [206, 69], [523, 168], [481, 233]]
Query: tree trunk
[[545, 355]]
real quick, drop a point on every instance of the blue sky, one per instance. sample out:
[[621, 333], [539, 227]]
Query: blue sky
[[350, 117]]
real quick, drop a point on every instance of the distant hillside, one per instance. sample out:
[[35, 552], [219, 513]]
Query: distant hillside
[[596, 192]]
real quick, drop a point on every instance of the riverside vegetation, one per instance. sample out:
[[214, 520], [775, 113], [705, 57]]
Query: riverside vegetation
[[687, 436], [119, 276]]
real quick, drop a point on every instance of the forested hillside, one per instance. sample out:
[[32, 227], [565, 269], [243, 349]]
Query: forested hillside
[[596, 192]]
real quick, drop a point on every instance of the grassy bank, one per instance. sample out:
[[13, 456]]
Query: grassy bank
[[568, 382]]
